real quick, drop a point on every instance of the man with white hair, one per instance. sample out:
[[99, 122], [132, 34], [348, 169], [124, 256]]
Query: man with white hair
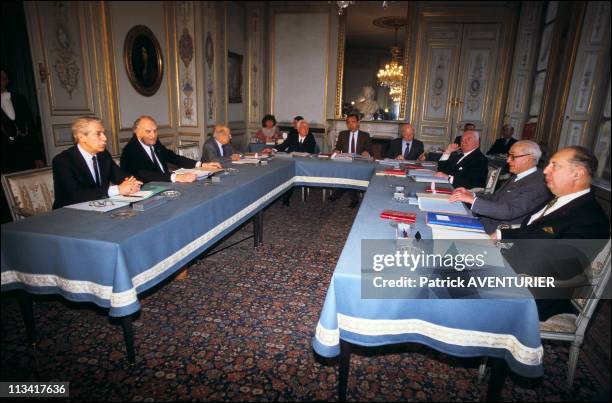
[[218, 147], [468, 168], [512, 202]]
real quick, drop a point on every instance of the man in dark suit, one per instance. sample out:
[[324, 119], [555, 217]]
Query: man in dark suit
[[467, 169], [302, 142], [86, 171], [218, 147], [516, 199], [572, 214], [501, 146], [145, 157], [353, 141], [406, 147]]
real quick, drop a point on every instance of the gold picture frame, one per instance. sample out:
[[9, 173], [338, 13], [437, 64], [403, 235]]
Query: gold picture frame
[[143, 60]]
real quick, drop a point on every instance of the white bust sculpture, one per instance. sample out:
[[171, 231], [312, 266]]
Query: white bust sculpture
[[366, 104]]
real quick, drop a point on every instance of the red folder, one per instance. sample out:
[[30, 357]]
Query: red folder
[[398, 172], [401, 216], [441, 190]]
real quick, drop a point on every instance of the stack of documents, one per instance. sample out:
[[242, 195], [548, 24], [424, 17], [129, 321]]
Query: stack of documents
[[342, 157], [438, 203], [392, 172], [246, 161], [101, 206], [199, 173], [460, 223]]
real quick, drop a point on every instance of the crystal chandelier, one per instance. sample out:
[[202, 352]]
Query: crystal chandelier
[[393, 73], [395, 92]]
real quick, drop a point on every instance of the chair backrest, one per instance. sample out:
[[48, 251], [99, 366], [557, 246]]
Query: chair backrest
[[29, 192], [492, 178], [189, 150], [600, 276]]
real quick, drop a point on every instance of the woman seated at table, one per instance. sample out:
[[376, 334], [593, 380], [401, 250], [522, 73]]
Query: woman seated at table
[[268, 133]]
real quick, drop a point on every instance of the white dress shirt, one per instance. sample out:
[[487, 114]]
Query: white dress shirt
[[7, 105], [356, 136], [445, 157], [561, 201], [112, 190], [220, 148], [406, 144]]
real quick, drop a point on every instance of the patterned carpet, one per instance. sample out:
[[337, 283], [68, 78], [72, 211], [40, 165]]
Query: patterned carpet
[[240, 328]]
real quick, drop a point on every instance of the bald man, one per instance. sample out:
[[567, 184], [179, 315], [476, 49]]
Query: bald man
[[469, 167], [145, 157], [406, 147], [218, 147]]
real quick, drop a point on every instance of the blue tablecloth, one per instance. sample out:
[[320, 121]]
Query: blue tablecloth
[[506, 328], [88, 256]]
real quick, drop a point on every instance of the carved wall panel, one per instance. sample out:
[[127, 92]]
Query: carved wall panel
[[186, 47], [66, 58]]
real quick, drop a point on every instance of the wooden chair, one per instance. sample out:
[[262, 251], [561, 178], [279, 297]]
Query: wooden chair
[[571, 327], [492, 178], [29, 192], [189, 150]]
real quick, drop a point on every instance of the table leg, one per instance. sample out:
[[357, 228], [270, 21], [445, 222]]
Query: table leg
[[256, 230], [345, 360], [128, 336], [260, 227], [27, 313], [499, 372]]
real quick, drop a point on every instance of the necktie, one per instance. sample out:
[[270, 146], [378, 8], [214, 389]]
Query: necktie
[[154, 157], [549, 205], [221, 151], [407, 151], [354, 143], [96, 170]]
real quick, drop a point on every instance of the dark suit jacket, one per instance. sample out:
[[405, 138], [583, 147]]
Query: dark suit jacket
[[210, 151], [535, 253], [582, 218], [72, 179], [470, 173], [364, 143], [511, 203], [500, 147], [293, 144], [395, 149], [135, 161]]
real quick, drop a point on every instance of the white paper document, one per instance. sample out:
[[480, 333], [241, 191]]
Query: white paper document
[[441, 206], [100, 206], [199, 173]]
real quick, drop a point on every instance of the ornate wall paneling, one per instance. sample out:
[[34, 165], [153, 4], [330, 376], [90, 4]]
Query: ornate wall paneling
[[440, 66], [238, 62], [523, 68], [255, 67], [187, 45], [156, 16], [210, 56], [463, 56], [586, 95], [66, 59], [221, 60]]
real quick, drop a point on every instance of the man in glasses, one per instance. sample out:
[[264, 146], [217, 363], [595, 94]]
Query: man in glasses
[[524, 191]]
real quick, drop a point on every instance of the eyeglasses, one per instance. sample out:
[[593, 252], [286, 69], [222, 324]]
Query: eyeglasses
[[101, 203], [512, 157]]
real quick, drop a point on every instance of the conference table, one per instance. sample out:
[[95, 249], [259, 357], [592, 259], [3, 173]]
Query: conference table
[[92, 257]]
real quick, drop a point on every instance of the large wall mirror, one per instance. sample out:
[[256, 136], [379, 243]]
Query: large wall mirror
[[372, 62]]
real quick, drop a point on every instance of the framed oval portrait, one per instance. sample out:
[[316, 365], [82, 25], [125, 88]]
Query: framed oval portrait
[[143, 60]]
